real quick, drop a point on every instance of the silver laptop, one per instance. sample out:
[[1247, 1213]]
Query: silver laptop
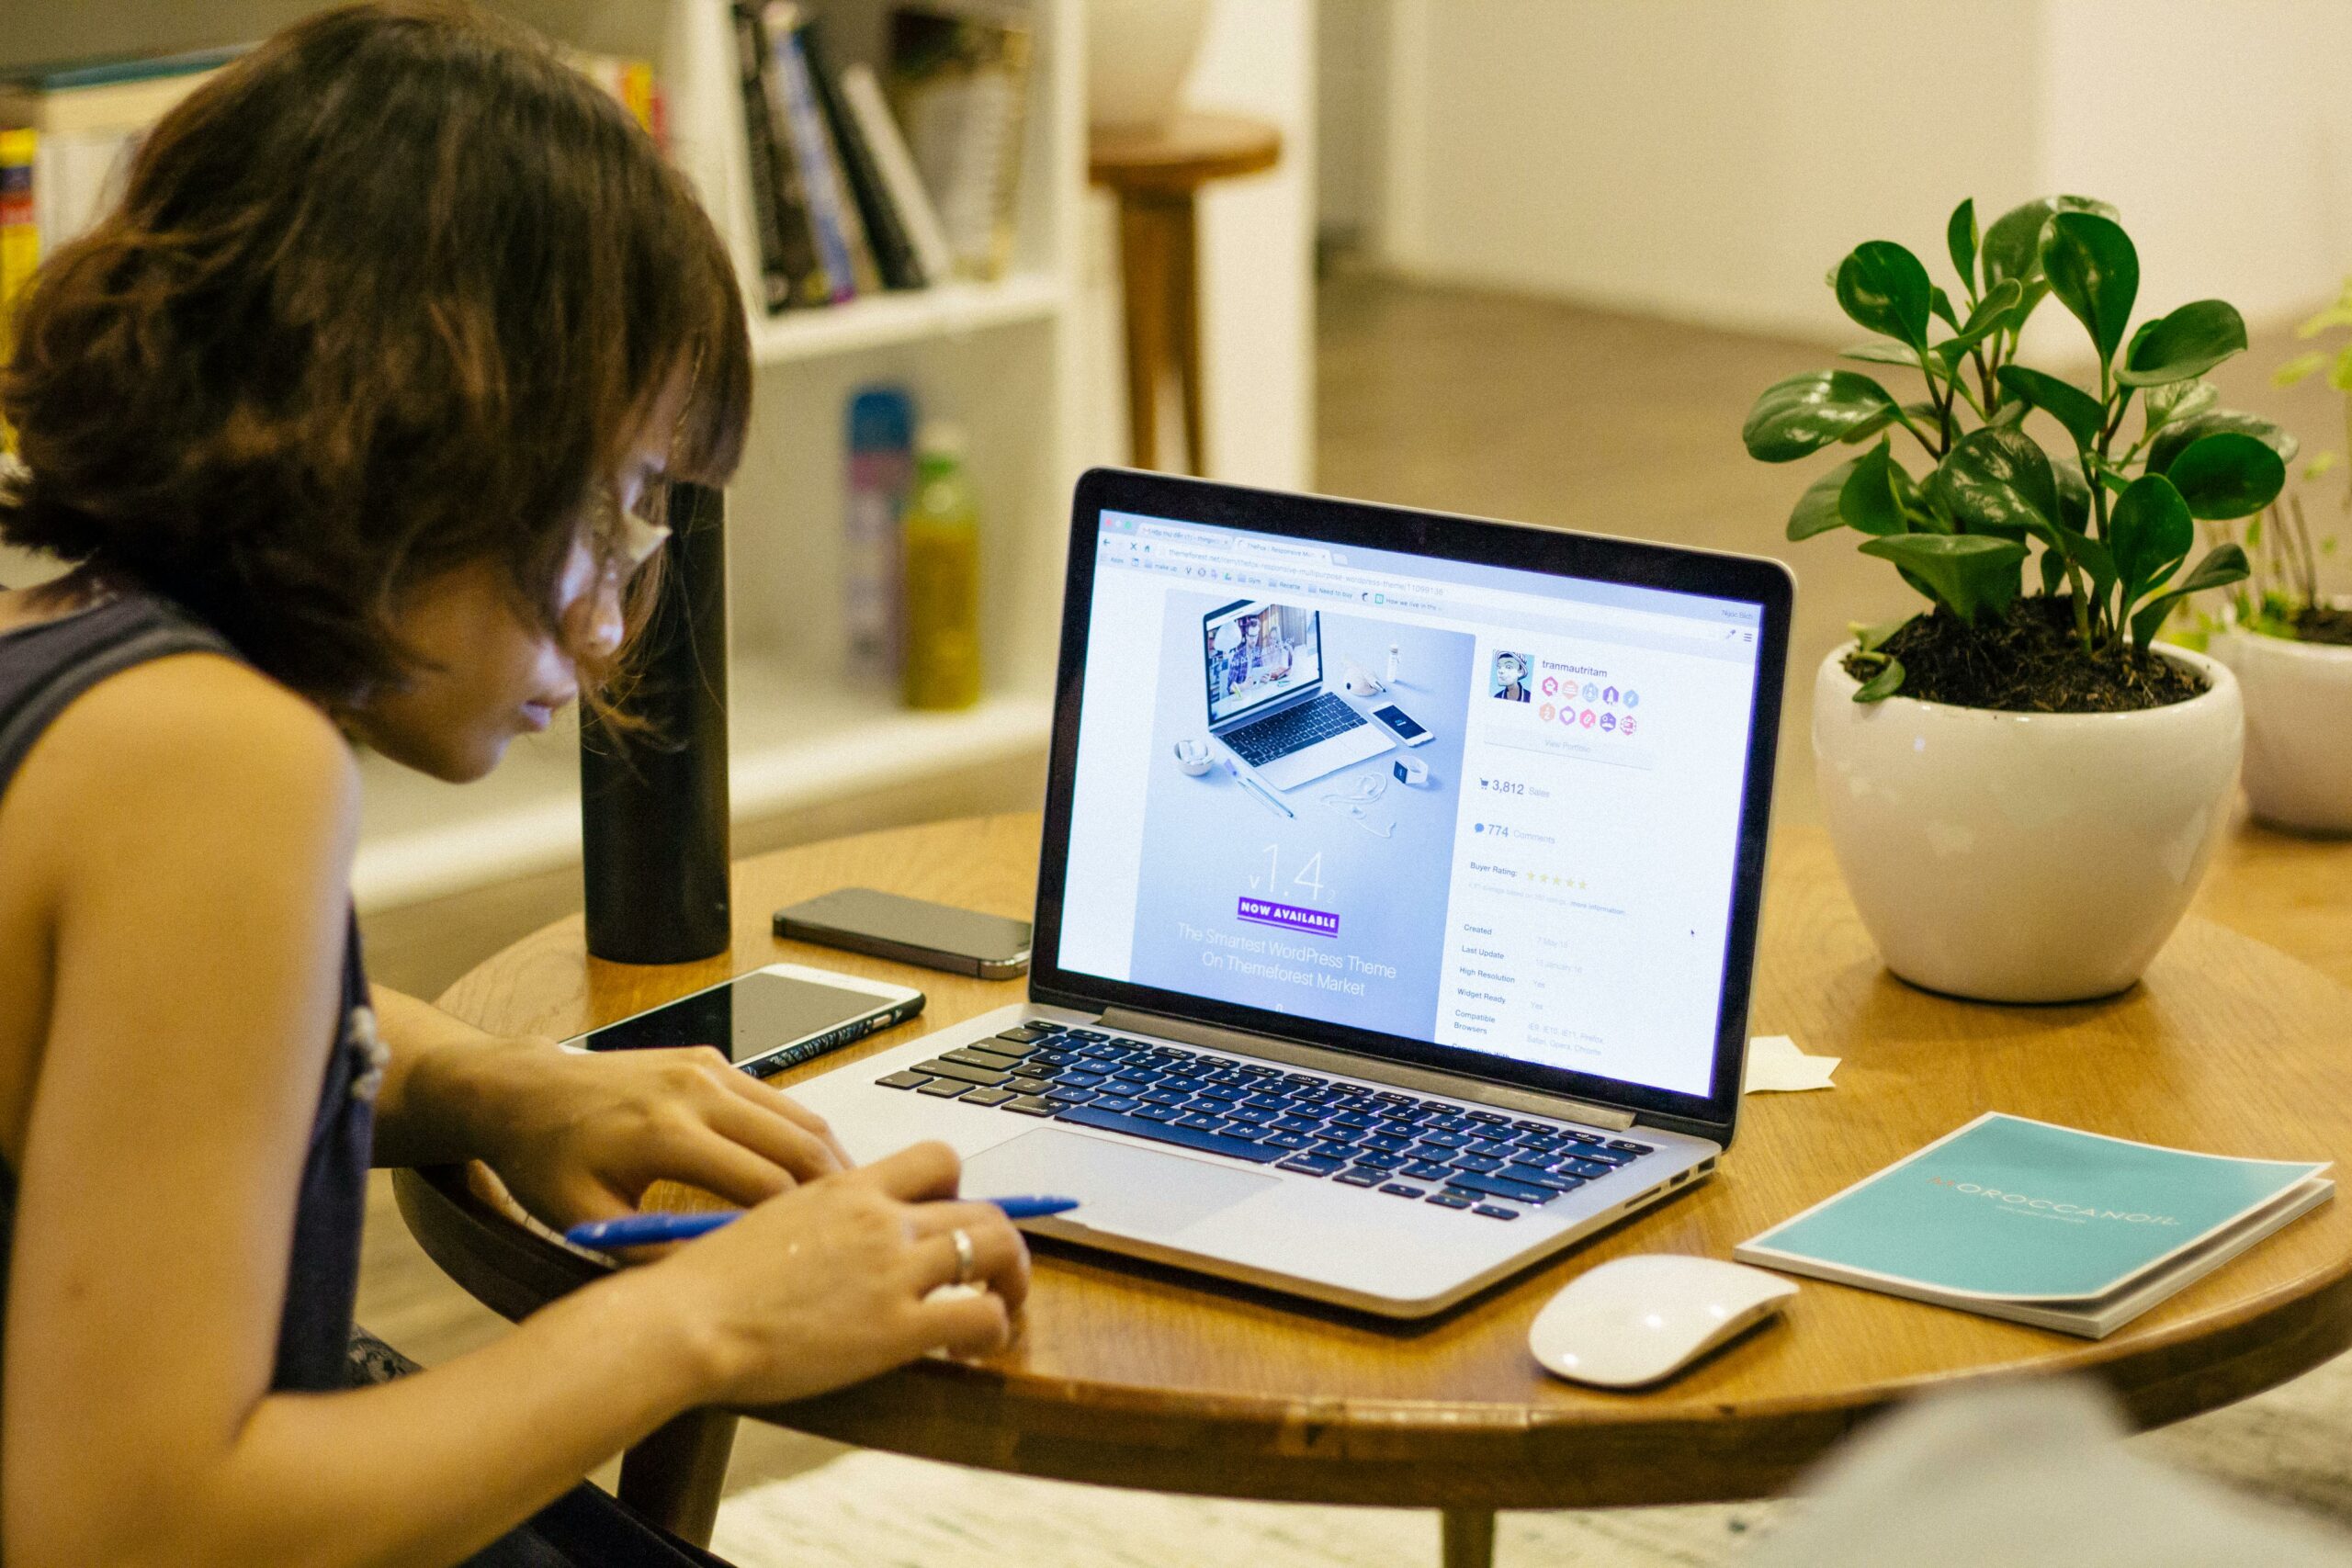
[[1267, 701], [1397, 1031]]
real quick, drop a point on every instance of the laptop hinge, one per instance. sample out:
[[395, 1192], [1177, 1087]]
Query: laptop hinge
[[1428, 1081]]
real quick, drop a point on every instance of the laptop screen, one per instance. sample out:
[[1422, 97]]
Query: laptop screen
[[1534, 865], [1257, 652]]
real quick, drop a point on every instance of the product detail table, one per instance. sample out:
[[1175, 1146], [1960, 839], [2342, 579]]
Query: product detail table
[[1128, 1375]]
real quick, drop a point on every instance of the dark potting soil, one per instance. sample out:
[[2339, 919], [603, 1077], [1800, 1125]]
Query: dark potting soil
[[2324, 623], [2029, 662]]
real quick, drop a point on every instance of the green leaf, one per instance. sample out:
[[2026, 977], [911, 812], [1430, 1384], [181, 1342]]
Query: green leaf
[[2013, 244], [1940, 304], [1803, 413], [2053, 569], [1882, 685], [2095, 271], [2096, 560], [2181, 434], [1875, 353], [1997, 480], [1817, 509], [1882, 287], [2337, 315], [2081, 414], [2340, 377], [1975, 575], [1871, 501], [2297, 369], [2074, 495], [1991, 314], [2150, 532], [2010, 415], [2226, 475], [1924, 413], [2184, 345], [2178, 401], [2223, 565], [2322, 466], [1871, 638], [1960, 240]]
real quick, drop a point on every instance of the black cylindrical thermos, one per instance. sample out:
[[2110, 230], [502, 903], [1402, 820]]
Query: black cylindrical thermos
[[653, 802]]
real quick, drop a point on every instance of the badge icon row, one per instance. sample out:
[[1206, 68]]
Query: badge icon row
[[1592, 692], [1588, 718]]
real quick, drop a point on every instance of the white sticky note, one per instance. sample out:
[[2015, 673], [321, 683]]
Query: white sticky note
[[1775, 1065]]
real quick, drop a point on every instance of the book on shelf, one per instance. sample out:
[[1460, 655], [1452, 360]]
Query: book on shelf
[[894, 167], [2042, 1225], [86, 119], [632, 83], [878, 205], [959, 82], [790, 273], [832, 214]]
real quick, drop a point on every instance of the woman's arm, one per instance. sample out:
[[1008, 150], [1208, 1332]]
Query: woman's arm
[[578, 1136], [195, 825]]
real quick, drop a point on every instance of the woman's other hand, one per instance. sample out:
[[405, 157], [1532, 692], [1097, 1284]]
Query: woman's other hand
[[580, 1136], [831, 1282]]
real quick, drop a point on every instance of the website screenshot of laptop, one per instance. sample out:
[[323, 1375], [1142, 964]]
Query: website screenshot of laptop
[[1482, 808]]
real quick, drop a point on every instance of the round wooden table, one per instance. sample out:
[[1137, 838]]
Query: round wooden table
[[1129, 1375]]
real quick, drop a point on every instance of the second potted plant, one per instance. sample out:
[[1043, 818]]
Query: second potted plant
[[2022, 792]]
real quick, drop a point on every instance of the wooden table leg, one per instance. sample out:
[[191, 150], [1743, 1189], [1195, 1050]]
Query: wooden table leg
[[673, 1477], [1184, 324], [1469, 1538], [1143, 262]]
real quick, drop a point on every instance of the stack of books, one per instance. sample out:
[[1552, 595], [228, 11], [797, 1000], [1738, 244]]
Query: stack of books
[[846, 201]]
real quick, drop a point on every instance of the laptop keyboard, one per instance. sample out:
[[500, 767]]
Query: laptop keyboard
[[1293, 729], [1400, 1144]]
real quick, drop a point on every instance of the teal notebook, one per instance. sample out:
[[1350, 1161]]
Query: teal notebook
[[2040, 1224]]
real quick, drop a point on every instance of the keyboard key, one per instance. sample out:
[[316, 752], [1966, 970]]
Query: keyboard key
[[1432, 1153], [1384, 1142], [1390, 1096], [1359, 1177], [1492, 1213], [1165, 1096], [1590, 1170], [1312, 1164], [1298, 1124], [1574, 1136], [1084, 1034], [905, 1080], [1496, 1187], [1252, 1115], [1035, 1105], [1338, 1148], [1202, 1123], [1535, 1176], [1127, 1043], [1268, 1101], [1378, 1160], [1027, 1033], [1476, 1162], [1533, 1126], [940, 1067], [1612, 1154], [1044, 1056], [1489, 1117], [1076, 1095], [1157, 1114], [976, 1057], [1488, 1146], [1404, 1190], [1444, 1141], [988, 1097], [1141, 1126], [1081, 1079], [1308, 1079], [1448, 1200], [1540, 1144], [1241, 1130], [1450, 1125], [1424, 1170], [944, 1088], [1029, 1084], [1287, 1141]]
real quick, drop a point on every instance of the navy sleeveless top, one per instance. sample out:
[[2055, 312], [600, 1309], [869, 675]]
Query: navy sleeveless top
[[42, 668]]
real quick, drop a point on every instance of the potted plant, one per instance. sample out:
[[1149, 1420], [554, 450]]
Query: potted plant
[[2022, 791], [2289, 646]]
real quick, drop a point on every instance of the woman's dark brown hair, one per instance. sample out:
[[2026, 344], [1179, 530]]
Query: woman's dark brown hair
[[393, 294]]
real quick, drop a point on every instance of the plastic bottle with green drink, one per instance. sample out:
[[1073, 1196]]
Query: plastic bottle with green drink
[[941, 560]]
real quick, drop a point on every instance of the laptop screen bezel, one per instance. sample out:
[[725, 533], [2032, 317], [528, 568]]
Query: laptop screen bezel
[[1264, 704], [1766, 584]]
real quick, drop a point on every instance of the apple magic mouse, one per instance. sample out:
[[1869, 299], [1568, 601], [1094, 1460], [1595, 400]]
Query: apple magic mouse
[[1638, 1320]]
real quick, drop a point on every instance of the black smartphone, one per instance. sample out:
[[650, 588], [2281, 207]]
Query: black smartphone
[[765, 1020], [912, 931]]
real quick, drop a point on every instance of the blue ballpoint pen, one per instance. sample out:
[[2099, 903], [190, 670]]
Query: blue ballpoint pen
[[645, 1230]]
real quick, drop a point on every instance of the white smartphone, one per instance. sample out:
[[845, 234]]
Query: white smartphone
[[1402, 726], [766, 1020]]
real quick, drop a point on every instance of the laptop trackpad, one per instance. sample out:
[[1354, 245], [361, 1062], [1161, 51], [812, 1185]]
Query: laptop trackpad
[[1133, 1192]]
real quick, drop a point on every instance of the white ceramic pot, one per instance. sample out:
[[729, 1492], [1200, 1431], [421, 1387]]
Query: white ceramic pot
[[1137, 55], [2298, 728], [2013, 857]]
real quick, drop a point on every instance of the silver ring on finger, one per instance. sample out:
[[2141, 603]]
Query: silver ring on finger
[[967, 1261]]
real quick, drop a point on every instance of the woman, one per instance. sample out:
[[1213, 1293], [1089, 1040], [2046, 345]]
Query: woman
[[351, 418]]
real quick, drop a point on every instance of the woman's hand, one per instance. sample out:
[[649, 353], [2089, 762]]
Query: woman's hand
[[831, 1283], [578, 1136]]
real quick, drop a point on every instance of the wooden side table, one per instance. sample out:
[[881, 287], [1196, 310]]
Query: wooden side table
[[1158, 175], [1129, 1375]]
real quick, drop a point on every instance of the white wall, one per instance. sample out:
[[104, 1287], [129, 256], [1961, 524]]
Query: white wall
[[1708, 162], [1257, 265]]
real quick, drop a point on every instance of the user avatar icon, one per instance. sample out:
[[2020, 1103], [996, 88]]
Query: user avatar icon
[[1508, 678], [1586, 718], [1609, 721], [1609, 693], [1590, 691], [1632, 698]]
